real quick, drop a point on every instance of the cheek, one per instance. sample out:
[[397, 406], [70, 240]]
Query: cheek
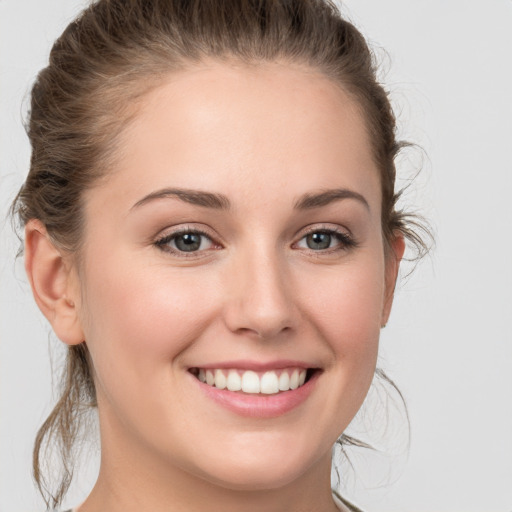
[[351, 302], [142, 314], [348, 313]]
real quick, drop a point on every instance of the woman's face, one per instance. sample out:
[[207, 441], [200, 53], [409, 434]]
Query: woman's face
[[238, 241]]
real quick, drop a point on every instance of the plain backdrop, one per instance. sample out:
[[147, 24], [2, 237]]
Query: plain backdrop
[[449, 342]]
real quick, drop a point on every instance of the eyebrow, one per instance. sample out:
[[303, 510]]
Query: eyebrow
[[221, 202], [309, 201], [196, 197]]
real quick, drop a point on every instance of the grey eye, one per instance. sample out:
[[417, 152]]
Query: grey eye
[[325, 239], [185, 241], [188, 242], [318, 241]]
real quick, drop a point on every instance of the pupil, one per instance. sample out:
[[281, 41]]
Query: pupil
[[319, 240], [188, 242]]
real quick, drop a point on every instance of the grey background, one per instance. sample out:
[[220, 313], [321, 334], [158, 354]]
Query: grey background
[[449, 342]]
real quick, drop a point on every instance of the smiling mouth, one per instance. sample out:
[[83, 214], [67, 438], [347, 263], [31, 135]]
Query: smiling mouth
[[269, 382]]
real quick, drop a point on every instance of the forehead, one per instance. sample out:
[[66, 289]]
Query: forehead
[[242, 130]]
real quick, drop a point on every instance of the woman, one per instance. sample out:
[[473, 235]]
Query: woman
[[210, 227]]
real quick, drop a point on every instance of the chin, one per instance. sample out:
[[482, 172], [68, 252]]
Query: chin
[[259, 469], [246, 478]]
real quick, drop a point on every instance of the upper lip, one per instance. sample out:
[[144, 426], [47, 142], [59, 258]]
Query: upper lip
[[257, 366]]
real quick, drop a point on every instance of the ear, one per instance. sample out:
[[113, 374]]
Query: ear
[[53, 283], [393, 259]]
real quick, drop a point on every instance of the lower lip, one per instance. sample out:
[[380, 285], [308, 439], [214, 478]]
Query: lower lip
[[260, 406]]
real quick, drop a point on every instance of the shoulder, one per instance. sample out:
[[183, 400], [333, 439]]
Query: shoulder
[[343, 504]]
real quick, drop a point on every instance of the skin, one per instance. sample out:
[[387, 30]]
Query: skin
[[263, 137]]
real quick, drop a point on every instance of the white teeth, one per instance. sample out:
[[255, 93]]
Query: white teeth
[[220, 379], [268, 383], [294, 379], [284, 382], [234, 382], [250, 382]]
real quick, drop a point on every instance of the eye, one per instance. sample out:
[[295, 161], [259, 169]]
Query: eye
[[319, 241], [325, 239], [185, 242]]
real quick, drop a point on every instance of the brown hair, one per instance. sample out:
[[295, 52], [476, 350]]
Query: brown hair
[[113, 54]]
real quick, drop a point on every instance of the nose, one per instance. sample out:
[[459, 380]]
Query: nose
[[260, 300]]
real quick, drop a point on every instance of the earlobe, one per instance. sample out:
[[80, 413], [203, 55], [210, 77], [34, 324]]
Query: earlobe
[[393, 259], [52, 283]]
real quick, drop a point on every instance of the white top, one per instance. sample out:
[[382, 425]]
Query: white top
[[342, 506], [339, 504]]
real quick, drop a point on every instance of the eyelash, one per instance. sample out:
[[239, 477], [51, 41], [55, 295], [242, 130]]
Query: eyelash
[[163, 242], [345, 241]]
